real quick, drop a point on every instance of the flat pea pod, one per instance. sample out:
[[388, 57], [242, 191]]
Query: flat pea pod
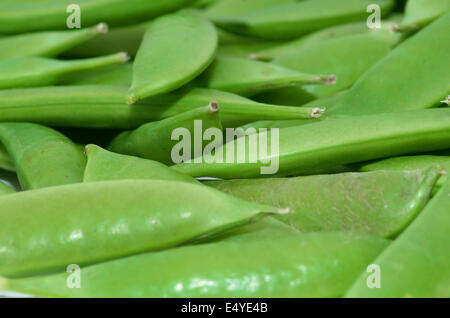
[[175, 49], [415, 264], [381, 203], [47, 43], [6, 163], [243, 50], [232, 8], [347, 57], [116, 75], [247, 77], [309, 265], [290, 20], [27, 16], [307, 148], [427, 80], [103, 165], [103, 106], [126, 216], [5, 189], [156, 140], [419, 13], [42, 156], [40, 71]]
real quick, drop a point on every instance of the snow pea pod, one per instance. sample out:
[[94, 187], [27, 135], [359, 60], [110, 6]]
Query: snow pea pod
[[25, 16], [246, 77], [243, 50], [232, 8], [328, 143], [40, 71], [127, 217], [416, 264], [98, 106], [290, 20], [156, 140], [347, 57], [381, 203], [309, 265], [103, 165], [419, 13], [6, 163], [120, 75], [175, 49], [47, 43], [42, 156], [5, 189], [426, 80]]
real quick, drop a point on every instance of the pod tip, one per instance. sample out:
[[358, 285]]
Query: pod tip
[[404, 27], [446, 101], [284, 211], [329, 79], [102, 28], [317, 112], [214, 107], [252, 56], [131, 99], [124, 57]]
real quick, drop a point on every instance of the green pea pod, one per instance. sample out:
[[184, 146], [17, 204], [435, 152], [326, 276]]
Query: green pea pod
[[416, 264], [40, 71], [47, 43], [328, 143], [290, 20], [156, 140], [243, 50], [203, 3], [103, 165], [5, 189], [117, 75], [25, 16], [175, 49], [428, 78], [348, 57], [127, 217], [6, 163], [232, 8], [246, 77], [411, 163], [292, 95], [380, 203], [42, 156], [419, 13], [309, 265], [97, 106]]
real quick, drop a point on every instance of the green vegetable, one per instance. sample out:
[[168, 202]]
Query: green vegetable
[[5, 189], [419, 13]]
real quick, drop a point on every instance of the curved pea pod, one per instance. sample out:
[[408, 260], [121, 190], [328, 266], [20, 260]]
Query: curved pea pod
[[381, 203], [419, 13], [39, 71], [103, 165], [103, 106], [5, 189], [175, 49], [47, 43], [20, 16], [309, 265], [232, 8], [290, 20], [415, 264], [307, 148], [246, 77], [42, 156], [116, 75], [157, 140], [347, 57], [6, 163], [243, 50], [426, 80], [127, 217]]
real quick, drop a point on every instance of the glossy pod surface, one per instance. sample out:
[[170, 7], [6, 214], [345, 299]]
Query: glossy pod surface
[[419, 13], [311, 265], [417, 263], [6, 163], [127, 217]]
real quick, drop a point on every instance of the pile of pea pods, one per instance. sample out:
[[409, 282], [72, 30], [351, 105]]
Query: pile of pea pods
[[96, 95]]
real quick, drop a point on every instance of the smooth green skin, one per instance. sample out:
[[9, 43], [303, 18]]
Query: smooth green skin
[[377, 91], [175, 49], [347, 57], [40, 71], [5, 189], [419, 13], [20, 16], [118, 75], [416, 264], [232, 8], [97, 106], [203, 3], [42, 156], [309, 265], [381, 203], [247, 77], [243, 50], [47, 43], [64, 225], [290, 20], [412, 163], [127, 39], [154, 140], [6, 163], [103, 165], [328, 143]]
